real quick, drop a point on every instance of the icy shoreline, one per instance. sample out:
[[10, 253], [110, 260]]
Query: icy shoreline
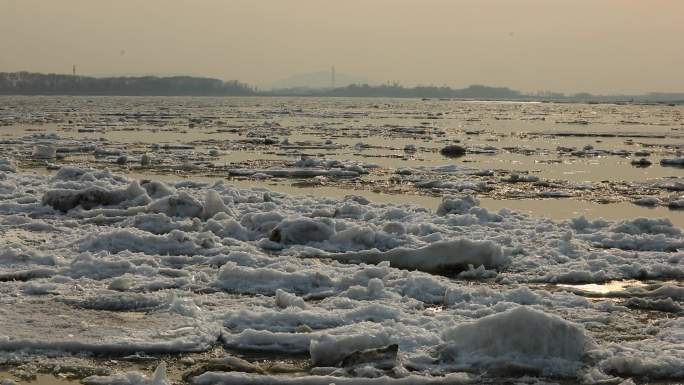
[[97, 263]]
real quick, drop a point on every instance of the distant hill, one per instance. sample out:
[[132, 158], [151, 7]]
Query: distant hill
[[316, 80], [27, 83]]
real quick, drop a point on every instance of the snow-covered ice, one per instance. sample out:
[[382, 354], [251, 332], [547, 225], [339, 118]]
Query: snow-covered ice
[[95, 262]]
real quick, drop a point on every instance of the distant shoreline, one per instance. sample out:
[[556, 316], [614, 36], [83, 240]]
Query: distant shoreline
[[37, 84], [674, 103]]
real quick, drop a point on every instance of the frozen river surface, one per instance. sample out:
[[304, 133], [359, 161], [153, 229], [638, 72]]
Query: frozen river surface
[[552, 160], [171, 235]]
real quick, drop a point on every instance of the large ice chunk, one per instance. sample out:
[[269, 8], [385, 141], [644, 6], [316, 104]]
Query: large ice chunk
[[303, 230], [520, 337], [437, 257]]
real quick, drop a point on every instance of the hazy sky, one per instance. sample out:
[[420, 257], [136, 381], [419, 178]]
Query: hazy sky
[[600, 46]]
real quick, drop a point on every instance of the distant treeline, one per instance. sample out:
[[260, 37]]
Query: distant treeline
[[398, 91], [474, 92], [26, 83]]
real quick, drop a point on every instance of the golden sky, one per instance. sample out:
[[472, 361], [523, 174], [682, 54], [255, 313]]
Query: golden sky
[[599, 46]]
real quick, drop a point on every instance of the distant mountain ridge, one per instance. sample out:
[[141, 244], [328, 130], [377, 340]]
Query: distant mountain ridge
[[27, 83]]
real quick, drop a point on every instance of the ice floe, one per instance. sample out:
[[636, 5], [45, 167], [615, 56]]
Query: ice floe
[[376, 293]]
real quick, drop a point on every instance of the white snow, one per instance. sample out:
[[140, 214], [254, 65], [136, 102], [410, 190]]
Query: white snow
[[94, 262], [284, 300]]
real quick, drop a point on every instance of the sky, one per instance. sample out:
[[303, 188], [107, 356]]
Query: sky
[[597, 46]]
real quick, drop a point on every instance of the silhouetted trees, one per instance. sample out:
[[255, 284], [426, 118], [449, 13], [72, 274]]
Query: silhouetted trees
[[398, 91], [27, 83]]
